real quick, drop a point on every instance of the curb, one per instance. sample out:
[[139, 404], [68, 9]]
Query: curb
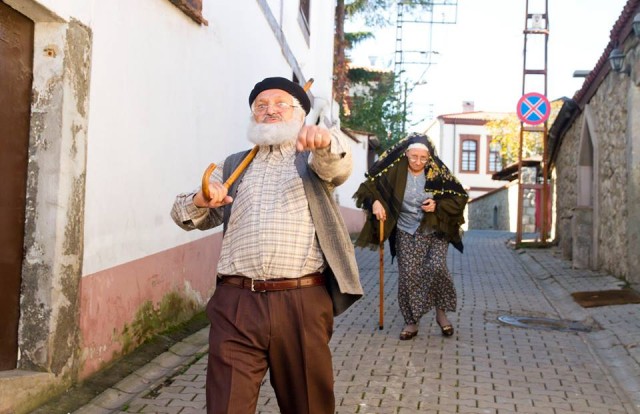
[[150, 376]]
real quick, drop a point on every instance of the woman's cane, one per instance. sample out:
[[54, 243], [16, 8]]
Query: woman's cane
[[381, 323], [240, 168]]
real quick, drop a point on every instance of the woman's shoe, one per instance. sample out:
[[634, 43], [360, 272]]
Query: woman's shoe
[[406, 335], [447, 330]]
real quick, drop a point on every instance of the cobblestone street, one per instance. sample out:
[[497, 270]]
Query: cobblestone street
[[487, 367]]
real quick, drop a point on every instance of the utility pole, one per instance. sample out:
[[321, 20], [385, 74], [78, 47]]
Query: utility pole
[[536, 28], [404, 110]]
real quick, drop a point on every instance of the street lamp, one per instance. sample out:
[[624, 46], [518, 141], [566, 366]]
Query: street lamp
[[636, 25], [616, 60]]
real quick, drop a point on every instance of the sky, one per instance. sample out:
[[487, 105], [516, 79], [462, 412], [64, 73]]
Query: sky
[[479, 58]]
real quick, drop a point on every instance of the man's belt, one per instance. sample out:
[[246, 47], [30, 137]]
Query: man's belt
[[270, 285]]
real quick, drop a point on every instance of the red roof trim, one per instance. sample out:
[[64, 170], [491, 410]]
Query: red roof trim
[[462, 121]]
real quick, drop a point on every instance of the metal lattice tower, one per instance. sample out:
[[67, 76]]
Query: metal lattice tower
[[534, 75], [423, 14]]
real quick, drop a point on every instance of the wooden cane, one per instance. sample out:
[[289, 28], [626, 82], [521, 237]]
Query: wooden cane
[[381, 322], [240, 168], [307, 85], [234, 175]]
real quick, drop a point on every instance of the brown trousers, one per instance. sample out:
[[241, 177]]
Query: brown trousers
[[286, 332]]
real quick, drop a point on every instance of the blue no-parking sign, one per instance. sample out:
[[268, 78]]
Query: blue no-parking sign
[[533, 108]]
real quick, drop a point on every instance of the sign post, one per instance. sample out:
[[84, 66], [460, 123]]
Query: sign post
[[533, 108]]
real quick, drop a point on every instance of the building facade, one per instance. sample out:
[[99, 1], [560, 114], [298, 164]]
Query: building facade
[[109, 110], [464, 145], [595, 161]]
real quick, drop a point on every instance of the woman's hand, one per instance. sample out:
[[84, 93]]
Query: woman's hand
[[378, 211], [429, 205]]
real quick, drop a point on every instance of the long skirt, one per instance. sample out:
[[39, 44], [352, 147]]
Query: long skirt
[[424, 280]]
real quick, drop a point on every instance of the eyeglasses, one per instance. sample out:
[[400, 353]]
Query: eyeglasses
[[261, 109], [421, 160]]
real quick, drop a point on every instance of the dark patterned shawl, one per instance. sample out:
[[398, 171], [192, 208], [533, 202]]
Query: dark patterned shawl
[[386, 180]]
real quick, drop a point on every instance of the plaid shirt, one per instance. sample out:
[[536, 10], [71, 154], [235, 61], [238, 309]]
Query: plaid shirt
[[270, 233]]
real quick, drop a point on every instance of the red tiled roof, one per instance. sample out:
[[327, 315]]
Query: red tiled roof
[[476, 115], [473, 118]]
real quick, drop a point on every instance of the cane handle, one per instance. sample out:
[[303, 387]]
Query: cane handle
[[205, 181]]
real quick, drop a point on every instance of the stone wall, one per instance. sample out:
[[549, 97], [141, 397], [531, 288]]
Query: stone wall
[[490, 212], [529, 211], [604, 121], [566, 171], [498, 210], [609, 109]]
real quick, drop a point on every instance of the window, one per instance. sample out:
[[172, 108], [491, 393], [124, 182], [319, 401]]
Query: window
[[304, 11], [494, 162], [303, 18], [469, 154], [192, 8]]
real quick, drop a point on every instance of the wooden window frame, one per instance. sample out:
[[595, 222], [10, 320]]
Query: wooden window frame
[[463, 139], [304, 18], [192, 8], [489, 170]]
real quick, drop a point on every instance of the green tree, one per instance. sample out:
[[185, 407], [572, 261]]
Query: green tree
[[373, 12], [373, 107]]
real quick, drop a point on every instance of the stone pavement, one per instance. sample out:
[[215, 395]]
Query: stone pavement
[[488, 366]]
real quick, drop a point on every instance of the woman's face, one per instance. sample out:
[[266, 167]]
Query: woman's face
[[418, 158]]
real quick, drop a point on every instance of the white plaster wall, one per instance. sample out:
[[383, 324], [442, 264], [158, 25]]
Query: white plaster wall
[[348, 188], [276, 9], [168, 97], [320, 62], [513, 207], [67, 9], [434, 131], [448, 146]]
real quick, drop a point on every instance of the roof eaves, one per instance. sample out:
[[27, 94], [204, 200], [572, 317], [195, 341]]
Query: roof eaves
[[620, 31], [561, 124]]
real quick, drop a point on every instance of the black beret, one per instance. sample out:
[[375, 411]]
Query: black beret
[[284, 84]]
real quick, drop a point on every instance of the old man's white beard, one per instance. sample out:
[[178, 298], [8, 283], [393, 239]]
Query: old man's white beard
[[273, 134]]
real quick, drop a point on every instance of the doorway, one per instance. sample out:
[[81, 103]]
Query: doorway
[[16, 69]]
